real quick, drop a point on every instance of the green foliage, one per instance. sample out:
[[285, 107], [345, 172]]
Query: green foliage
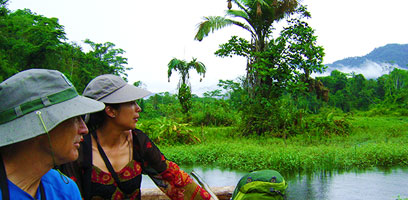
[[275, 66], [325, 125], [162, 105], [207, 111], [184, 96], [235, 92], [184, 87], [168, 132], [3, 9], [372, 142], [235, 46], [258, 17], [29, 40], [386, 95], [213, 112], [284, 66]]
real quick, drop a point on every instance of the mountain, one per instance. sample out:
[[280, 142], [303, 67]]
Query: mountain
[[378, 62]]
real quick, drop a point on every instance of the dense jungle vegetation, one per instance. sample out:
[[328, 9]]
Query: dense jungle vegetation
[[276, 116]]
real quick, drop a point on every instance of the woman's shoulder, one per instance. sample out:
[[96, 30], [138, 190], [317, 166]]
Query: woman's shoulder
[[139, 133], [140, 137]]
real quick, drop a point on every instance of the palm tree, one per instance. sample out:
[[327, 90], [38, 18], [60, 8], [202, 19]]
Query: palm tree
[[257, 17], [183, 67]]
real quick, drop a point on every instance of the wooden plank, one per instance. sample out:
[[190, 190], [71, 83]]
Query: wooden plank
[[223, 193]]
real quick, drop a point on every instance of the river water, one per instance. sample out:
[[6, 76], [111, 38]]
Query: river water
[[373, 184]]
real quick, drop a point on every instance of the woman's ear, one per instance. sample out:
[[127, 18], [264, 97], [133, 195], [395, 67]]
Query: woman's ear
[[111, 112]]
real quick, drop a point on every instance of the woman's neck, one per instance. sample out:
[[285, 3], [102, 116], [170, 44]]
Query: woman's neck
[[25, 165], [110, 136]]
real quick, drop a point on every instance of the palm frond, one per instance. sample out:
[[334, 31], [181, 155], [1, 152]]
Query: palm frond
[[243, 15], [198, 66], [210, 24], [251, 4], [174, 64], [237, 13]]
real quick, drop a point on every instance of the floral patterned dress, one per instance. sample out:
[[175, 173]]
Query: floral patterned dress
[[147, 159]]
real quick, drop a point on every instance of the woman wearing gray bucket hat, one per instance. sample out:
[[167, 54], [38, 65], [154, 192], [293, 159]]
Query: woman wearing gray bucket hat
[[115, 154], [40, 128]]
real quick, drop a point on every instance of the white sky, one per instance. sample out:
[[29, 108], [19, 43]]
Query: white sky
[[153, 32]]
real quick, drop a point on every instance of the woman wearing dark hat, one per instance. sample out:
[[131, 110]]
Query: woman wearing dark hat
[[115, 154], [40, 128]]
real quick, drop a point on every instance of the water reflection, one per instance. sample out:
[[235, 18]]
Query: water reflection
[[214, 177], [373, 184]]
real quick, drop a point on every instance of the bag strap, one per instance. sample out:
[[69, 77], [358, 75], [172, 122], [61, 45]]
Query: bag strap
[[107, 163], [42, 192], [87, 163], [87, 167], [3, 181]]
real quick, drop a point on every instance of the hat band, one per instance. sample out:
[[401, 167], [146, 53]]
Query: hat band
[[13, 113]]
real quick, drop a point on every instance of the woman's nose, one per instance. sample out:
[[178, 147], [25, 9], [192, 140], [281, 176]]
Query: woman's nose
[[138, 108]]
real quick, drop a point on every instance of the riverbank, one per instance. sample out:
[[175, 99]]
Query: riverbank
[[373, 142]]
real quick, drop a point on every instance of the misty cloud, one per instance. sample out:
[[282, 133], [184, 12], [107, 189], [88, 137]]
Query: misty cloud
[[369, 69]]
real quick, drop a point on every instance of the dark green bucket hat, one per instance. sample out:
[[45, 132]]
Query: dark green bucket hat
[[38, 95]]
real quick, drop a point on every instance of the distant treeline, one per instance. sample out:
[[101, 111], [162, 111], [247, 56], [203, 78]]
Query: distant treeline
[[29, 40], [386, 95]]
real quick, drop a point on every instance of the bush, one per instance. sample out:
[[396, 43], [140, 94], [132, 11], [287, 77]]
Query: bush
[[325, 124], [216, 113], [168, 132]]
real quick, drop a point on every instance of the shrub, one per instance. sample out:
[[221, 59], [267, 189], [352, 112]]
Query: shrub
[[168, 132]]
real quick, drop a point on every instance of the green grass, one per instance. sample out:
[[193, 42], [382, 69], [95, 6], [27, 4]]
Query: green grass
[[374, 142]]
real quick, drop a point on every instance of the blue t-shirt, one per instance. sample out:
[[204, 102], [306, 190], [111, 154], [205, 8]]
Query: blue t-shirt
[[54, 188]]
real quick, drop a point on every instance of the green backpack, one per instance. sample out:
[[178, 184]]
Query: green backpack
[[264, 184]]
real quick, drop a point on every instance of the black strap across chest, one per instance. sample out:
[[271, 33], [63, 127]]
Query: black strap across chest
[[108, 164], [87, 163], [4, 183]]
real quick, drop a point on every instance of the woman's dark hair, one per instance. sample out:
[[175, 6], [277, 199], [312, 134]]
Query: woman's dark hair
[[97, 119]]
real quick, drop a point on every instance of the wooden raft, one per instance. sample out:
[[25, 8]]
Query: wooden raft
[[223, 193]]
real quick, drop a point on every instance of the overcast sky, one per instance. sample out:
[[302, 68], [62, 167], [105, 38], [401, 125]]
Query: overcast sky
[[154, 32]]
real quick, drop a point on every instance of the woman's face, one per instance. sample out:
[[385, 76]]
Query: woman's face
[[66, 138], [127, 115]]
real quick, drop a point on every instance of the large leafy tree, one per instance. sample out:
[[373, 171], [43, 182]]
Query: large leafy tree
[[274, 66], [29, 40], [256, 17], [396, 86], [184, 89], [102, 59]]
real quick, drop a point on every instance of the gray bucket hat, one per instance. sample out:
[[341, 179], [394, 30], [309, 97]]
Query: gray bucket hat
[[113, 89], [35, 93]]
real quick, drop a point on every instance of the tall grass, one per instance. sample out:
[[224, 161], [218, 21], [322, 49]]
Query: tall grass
[[373, 142]]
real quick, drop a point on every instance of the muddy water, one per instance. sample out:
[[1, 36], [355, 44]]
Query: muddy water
[[371, 184]]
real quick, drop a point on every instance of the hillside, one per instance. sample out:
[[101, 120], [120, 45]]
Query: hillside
[[390, 53], [379, 61]]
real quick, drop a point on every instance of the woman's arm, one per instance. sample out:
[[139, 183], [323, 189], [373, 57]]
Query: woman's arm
[[167, 175]]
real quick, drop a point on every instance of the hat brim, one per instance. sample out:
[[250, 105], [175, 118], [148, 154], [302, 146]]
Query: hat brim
[[125, 94], [29, 126]]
